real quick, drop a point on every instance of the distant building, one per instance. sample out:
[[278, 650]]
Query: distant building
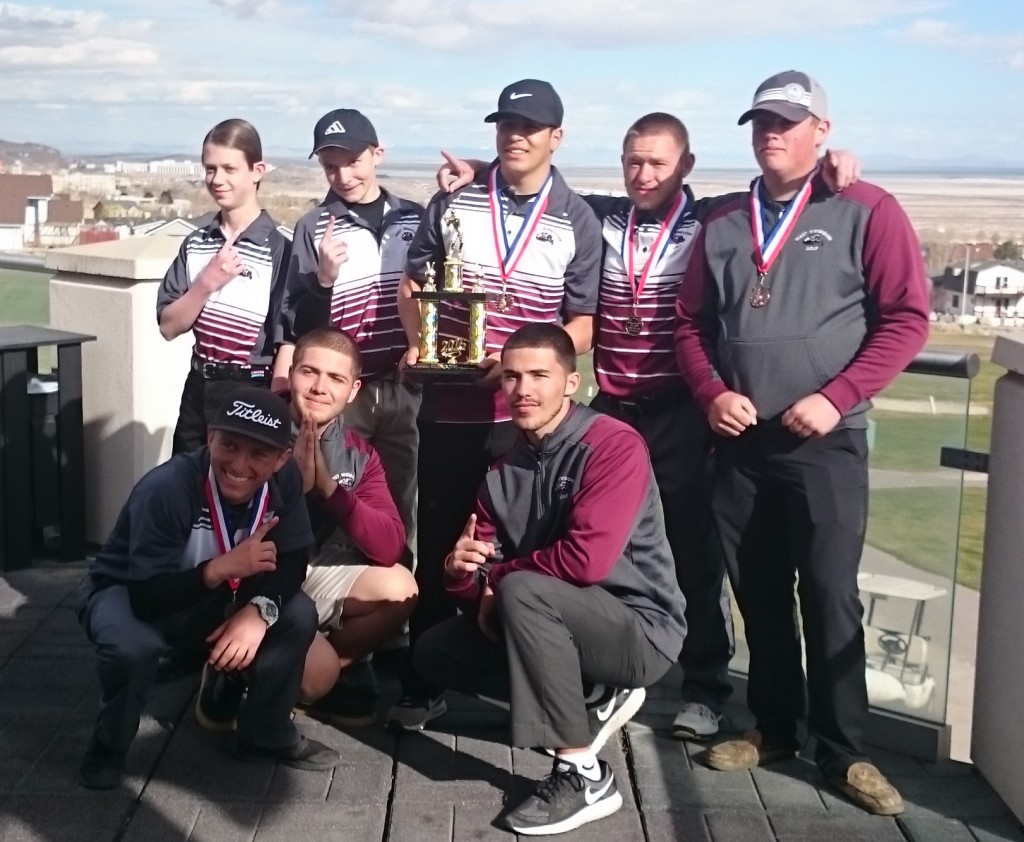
[[993, 292], [31, 215]]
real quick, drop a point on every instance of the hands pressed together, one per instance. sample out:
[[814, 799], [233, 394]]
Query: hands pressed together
[[309, 455]]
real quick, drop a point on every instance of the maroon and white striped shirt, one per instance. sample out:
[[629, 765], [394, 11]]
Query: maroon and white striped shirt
[[237, 323]]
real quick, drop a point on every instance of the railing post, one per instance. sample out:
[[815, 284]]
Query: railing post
[[997, 744]]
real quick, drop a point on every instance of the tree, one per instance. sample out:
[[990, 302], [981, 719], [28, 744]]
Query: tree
[[166, 198], [1008, 250]]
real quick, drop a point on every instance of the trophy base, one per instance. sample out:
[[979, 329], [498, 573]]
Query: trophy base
[[442, 372]]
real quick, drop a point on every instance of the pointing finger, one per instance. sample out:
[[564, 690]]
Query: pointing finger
[[469, 531], [260, 532]]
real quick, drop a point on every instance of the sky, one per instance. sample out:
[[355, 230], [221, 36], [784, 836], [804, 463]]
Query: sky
[[907, 80]]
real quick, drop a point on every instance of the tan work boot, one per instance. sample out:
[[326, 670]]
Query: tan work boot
[[746, 752], [866, 787]]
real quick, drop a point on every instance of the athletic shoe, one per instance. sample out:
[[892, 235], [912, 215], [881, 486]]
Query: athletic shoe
[[306, 754], [101, 767], [611, 711], [695, 722], [565, 800], [220, 697], [607, 712], [352, 702], [411, 713]]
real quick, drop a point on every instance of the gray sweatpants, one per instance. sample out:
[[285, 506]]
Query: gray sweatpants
[[554, 637]]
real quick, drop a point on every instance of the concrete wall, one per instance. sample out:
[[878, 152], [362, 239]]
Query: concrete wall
[[997, 744], [132, 377]]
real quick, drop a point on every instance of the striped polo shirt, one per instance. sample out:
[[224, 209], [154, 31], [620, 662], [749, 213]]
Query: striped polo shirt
[[633, 366], [556, 277], [364, 298], [237, 323]]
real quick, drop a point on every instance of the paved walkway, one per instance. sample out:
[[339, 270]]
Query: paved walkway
[[447, 784]]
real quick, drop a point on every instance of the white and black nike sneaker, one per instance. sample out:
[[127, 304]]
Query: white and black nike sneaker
[[565, 800], [611, 711]]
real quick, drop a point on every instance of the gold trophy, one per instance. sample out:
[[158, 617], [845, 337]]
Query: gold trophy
[[451, 358]]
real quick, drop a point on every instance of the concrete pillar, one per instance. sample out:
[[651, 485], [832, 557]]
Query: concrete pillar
[[131, 376], [997, 744]]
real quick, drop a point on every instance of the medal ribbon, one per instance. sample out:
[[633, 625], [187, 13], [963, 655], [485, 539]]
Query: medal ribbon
[[679, 208], [767, 249], [227, 538], [510, 255]]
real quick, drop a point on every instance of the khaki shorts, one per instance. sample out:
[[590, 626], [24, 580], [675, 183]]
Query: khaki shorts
[[329, 580]]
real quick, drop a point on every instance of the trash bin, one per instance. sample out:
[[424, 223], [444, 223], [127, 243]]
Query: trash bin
[[45, 478]]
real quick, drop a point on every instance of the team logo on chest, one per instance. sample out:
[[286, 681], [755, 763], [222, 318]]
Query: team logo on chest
[[346, 479], [546, 236], [563, 488], [813, 239], [407, 234]]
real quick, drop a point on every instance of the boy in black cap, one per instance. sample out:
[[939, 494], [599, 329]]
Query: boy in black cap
[[346, 262], [221, 532], [538, 247]]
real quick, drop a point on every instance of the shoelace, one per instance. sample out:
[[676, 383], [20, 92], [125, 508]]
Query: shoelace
[[559, 779]]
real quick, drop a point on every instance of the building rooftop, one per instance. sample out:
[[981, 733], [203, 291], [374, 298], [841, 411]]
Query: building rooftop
[[448, 783]]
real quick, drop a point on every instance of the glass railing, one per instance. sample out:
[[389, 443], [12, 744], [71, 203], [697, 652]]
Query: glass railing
[[920, 515]]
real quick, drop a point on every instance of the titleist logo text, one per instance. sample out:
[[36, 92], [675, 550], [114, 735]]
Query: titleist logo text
[[249, 412]]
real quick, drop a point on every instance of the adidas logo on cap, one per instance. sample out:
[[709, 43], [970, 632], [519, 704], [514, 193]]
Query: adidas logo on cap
[[335, 128]]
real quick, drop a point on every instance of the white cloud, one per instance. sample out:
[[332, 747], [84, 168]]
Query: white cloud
[[1006, 49], [447, 25], [243, 9], [97, 52]]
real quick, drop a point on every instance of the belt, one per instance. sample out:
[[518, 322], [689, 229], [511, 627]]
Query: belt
[[229, 371], [652, 403]]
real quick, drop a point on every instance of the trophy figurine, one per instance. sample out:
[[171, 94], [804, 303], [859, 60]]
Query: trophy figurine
[[451, 357]]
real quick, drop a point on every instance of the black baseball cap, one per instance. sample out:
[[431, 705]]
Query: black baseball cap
[[792, 95], [344, 128], [256, 413], [529, 99]]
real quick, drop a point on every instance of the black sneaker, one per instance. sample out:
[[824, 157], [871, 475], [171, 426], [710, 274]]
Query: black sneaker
[[413, 713], [565, 800], [306, 754], [101, 767], [352, 702], [611, 711], [220, 697]]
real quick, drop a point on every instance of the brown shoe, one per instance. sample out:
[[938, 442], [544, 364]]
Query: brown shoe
[[866, 787], [746, 752]]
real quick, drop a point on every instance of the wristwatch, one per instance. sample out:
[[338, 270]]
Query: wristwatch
[[267, 607]]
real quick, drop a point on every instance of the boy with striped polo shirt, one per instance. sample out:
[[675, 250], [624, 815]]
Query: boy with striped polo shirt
[[538, 247], [347, 259], [648, 235]]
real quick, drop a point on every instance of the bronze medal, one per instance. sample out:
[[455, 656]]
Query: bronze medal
[[761, 294], [503, 302], [634, 324]]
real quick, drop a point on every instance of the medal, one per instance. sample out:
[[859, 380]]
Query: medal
[[768, 248], [503, 302], [510, 255], [761, 294], [634, 324]]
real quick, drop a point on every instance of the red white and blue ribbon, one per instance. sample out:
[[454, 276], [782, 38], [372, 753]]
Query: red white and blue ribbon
[[510, 255], [227, 537], [767, 249], [628, 251]]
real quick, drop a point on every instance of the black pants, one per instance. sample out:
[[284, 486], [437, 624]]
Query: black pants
[[679, 441], [200, 400], [453, 461], [555, 636], [128, 651], [789, 507]]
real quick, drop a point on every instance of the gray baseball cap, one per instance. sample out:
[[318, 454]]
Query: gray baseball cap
[[792, 95]]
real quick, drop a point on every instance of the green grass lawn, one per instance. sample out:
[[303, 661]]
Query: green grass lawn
[[918, 526], [24, 297]]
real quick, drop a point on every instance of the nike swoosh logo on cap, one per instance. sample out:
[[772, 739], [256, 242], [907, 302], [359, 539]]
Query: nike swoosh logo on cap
[[518, 96]]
